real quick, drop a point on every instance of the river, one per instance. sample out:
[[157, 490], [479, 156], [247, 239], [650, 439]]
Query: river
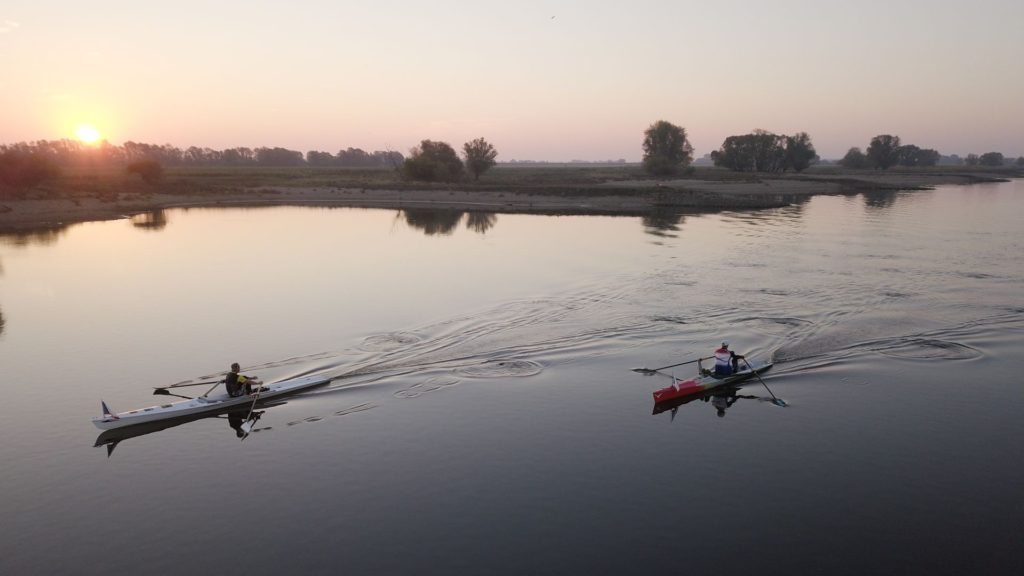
[[484, 416]]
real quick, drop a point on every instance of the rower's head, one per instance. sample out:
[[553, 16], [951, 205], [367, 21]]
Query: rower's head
[[235, 367], [725, 344]]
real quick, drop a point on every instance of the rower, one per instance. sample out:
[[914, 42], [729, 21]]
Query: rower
[[726, 361], [238, 384]]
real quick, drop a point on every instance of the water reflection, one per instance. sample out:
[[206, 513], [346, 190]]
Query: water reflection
[[432, 221], [663, 223], [155, 220], [481, 222], [40, 237], [721, 399], [235, 418], [880, 198], [440, 221]]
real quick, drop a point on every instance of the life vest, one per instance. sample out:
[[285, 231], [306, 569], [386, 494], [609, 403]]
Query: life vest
[[235, 383], [723, 361]]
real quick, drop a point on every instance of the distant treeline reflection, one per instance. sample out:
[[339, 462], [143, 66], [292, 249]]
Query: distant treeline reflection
[[155, 220], [40, 237], [663, 222], [433, 221], [441, 221]]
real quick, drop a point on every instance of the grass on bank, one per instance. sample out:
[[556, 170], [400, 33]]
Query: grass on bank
[[109, 182]]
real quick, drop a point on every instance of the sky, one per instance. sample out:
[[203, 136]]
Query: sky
[[540, 80]]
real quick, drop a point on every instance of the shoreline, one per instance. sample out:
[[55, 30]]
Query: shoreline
[[622, 197]]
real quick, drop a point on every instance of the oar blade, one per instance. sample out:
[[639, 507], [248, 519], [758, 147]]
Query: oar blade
[[646, 371]]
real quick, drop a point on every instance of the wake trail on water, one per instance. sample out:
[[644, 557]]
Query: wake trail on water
[[512, 340], [820, 350]]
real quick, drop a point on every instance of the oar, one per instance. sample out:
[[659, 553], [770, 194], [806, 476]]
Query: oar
[[182, 385], [164, 392], [654, 370], [247, 426], [775, 400]]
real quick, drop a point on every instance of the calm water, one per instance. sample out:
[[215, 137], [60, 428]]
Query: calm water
[[484, 419]]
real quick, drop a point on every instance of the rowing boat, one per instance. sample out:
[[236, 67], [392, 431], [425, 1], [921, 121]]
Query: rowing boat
[[214, 402], [704, 382]]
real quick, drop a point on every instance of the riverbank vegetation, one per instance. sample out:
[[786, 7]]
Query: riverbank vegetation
[[69, 169]]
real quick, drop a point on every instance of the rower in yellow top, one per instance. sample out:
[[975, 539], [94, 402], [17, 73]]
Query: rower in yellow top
[[238, 384]]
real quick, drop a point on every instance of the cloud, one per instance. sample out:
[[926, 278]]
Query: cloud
[[9, 26]]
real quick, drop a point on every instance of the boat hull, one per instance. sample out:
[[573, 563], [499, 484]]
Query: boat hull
[[217, 402], [694, 386]]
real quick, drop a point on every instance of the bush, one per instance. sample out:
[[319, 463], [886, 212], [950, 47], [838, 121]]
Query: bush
[[855, 160], [433, 162], [24, 170], [991, 159], [151, 171]]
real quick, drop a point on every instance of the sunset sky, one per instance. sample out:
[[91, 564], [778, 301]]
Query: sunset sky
[[543, 80]]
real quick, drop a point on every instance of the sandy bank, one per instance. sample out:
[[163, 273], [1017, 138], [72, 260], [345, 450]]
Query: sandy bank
[[624, 197]]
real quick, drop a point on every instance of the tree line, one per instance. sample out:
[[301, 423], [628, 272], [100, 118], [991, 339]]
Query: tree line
[[886, 150], [667, 151], [68, 153], [27, 164]]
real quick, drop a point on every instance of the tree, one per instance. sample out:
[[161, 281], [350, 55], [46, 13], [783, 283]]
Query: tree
[[908, 155], [149, 169], [238, 156], [800, 152], [317, 158], [1020, 161], [911, 155], [884, 151], [991, 159], [279, 157], [855, 160], [666, 149], [388, 159], [760, 151], [928, 157], [433, 161], [23, 170], [480, 155], [353, 158], [971, 160], [735, 154]]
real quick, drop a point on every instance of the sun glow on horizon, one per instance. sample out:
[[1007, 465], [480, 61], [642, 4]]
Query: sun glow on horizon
[[87, 134]]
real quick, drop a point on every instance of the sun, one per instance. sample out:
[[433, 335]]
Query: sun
[[87, 134]]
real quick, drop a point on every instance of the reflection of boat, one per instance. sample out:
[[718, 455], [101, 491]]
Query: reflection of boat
[[695, 386], [111, 438], [213, 403], [728, 392]]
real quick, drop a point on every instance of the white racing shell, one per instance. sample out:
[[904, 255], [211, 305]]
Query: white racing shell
[[214, 402]]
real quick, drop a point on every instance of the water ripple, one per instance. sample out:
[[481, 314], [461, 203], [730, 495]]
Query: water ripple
[[926, 349], [388, 342], [501, 369]]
